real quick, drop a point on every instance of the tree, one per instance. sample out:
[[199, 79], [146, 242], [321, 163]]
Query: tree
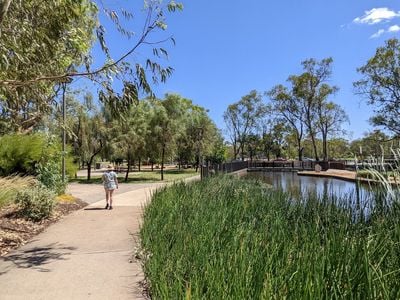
[[330, 118], [39, 37], [289, 110], [45, 44], [380, 85], [88, 133], [164, 122], [241, 118], [129, 133], [311, 89], [373, 144], [340, 148]]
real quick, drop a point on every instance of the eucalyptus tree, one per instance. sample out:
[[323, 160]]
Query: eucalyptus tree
[[86, 130], [312, 89], [374, 144], [208, 140], [330, 119], [380, 85], [200, 134], [45, 44], [289, 110], [165, 124], [217, 151], [37, 38], [129, 133], [241, 118]]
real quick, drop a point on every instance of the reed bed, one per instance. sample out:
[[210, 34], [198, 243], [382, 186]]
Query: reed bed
[[11, 185], [228, 238]]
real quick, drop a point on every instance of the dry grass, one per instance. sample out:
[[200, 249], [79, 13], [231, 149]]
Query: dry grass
[[10, 185]]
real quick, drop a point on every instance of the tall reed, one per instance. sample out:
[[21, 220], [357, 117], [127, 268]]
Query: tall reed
[[227, 238]]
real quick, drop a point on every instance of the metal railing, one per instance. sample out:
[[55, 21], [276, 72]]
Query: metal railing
[[229, 167]]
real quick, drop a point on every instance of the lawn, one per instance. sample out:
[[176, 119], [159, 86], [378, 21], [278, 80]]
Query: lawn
[[143, 176]]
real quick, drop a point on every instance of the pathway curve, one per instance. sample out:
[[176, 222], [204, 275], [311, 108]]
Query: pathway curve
[[86, 255]]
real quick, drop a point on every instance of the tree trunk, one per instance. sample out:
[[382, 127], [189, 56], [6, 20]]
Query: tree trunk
[[139, 163], [314, 146], [299, 150], [325, 146], [128, 169], [162, 162], [152, 166], [89, 169]]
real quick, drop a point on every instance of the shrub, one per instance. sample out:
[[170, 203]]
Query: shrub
[[36, 203], [50, 177], [35, 154], [20, 153]]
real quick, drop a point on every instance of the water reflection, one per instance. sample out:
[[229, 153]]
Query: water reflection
[[301, 187]]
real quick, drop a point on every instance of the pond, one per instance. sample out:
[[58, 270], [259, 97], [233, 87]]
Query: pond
[[300, 187]]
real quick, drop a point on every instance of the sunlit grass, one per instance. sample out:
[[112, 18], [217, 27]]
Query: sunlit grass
[[65, 198], [143, 176], [226, 238], [10, 185]]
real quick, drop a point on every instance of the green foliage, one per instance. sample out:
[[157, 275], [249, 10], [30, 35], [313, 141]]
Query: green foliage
[[36, 203], [50, 176], [34, 154], [381, 87], [40, 38], [241, 118], [20, 153], [226, 238]]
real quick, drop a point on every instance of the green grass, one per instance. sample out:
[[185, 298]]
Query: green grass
[[227, 238], [143, 176], [10, 185]]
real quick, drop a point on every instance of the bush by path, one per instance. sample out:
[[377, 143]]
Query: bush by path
[[227, 238]]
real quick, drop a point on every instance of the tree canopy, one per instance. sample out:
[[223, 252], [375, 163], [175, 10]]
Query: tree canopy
[[380, 85]]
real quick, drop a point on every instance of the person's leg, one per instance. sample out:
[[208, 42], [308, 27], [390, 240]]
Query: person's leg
[[111, 198], [107, 198]]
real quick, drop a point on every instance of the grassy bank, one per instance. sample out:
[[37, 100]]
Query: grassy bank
[[226, 238]]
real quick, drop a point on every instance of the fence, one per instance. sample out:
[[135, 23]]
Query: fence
[[212, 169]]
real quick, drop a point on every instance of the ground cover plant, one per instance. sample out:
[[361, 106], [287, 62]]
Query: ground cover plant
[[228, 238]]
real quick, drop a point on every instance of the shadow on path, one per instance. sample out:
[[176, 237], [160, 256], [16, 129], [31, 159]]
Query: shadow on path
[[38, 257]]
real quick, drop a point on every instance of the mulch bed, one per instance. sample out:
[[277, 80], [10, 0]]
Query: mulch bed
[[16, 231]]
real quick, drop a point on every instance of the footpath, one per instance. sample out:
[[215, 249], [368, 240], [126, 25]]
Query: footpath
[[89, 254]]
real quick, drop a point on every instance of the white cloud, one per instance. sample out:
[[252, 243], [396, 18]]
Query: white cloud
[[377, 15], [394, 28], [377, 34]]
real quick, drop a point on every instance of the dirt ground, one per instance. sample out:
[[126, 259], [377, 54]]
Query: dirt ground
[[16, 231]]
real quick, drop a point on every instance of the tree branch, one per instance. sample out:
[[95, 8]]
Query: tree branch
[[64, 77]]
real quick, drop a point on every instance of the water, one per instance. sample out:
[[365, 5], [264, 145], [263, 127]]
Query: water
[[300, 187]]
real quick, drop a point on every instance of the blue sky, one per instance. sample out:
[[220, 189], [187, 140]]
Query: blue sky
[[224, 49]]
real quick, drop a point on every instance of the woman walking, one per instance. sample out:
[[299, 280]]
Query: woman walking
[[110, 183]]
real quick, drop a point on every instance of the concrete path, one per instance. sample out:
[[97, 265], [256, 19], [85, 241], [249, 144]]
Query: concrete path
[[86, 255]]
